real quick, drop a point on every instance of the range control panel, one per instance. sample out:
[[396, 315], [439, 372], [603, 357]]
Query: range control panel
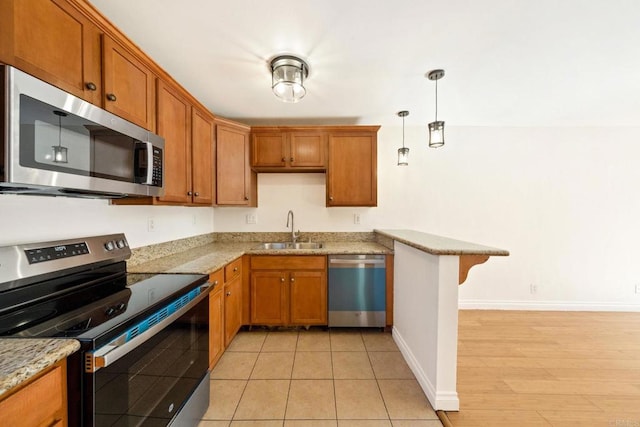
[[20, 264], [56, 252]]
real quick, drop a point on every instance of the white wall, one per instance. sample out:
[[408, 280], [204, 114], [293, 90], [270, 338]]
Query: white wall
[[564, 201], [35, 219]]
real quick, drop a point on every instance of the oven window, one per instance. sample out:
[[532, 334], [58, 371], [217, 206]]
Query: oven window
[[149, 385], [55, 140]]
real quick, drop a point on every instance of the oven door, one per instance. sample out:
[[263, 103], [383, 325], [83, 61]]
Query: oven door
[[154, 373]]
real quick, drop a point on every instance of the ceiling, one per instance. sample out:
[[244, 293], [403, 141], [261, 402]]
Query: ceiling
[[507, 62]]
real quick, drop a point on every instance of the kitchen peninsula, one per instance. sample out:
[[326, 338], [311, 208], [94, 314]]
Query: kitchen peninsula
[[427, 272]]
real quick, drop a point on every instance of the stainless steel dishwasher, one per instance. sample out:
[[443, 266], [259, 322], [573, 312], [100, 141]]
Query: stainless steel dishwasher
[[357, 290]]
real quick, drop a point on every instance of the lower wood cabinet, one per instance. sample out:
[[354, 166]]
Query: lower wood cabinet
[[232, 300], [288, 290], [216, 317], [41, 402]]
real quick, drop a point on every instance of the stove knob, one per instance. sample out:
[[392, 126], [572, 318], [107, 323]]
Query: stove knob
[[109, 245], [120, 244], [121, 306], [109, 312]]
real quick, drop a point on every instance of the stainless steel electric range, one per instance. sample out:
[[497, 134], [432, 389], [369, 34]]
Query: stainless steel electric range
[[144, 337]]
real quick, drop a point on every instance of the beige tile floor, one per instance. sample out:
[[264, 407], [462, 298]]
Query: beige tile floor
[[316, 378]]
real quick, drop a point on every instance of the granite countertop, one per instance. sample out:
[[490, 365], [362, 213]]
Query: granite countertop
[[210, 257], [439, 245], [22, 358]]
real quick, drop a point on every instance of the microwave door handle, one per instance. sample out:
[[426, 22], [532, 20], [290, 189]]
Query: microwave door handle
[[149, 178]]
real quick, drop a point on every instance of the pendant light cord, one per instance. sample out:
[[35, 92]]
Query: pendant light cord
[[402, 131], [436, 100], [59, 131]]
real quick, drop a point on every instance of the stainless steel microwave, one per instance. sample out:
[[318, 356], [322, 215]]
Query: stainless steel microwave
[[53, 143]]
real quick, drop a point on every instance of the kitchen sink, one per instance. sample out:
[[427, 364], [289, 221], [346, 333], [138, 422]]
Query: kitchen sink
[[289, 245]]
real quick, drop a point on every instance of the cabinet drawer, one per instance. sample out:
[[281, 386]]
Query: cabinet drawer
[[217, 279], [288, 262], [232, 270], [38, 403]]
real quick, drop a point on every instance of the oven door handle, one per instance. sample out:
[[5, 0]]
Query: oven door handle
[[119, 347]]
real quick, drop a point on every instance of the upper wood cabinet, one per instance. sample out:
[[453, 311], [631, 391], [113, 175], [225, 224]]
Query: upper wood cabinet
[[236, 183], [202, 157], [174, 125], [129, 85], [189, 148], [288, 149], [52, 40], [352, 175]]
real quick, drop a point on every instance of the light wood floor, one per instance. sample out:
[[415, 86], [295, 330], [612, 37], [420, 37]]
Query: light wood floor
[[523, 368]]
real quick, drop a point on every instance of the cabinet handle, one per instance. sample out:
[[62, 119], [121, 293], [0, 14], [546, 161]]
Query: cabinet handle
[[291, 159], [229, 293], [330, 197], [215, 283], [282, 279], [196, 194], [235, 269], [189, 193], [293, 279], [111, 97], [246, 198], [284, 159], [91, 86]]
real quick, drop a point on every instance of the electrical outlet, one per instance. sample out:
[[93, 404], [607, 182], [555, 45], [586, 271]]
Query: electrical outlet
[[533, 288], [252, 218], [356, 218], [151, 224], [194, 221]]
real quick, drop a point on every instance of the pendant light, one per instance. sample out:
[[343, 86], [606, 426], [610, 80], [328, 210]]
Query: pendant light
[[403, 153], [59, 152], [288, 74], [436, 128]]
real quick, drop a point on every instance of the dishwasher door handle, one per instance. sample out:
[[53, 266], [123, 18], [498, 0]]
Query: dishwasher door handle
[[364, 262]]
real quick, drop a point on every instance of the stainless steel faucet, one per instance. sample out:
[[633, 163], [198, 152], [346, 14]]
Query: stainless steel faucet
[[294, 235]]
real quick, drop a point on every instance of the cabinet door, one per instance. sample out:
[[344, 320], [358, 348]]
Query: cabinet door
[[129, 85], [268, 149], [232, 309], [174, 124], [268, 297], [308, 298], [55, 42], [232, 166], [216, 325], [352, 172], [202, 155], [307, 149]]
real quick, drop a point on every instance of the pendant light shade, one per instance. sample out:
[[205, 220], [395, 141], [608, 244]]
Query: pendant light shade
[[436, 128], [60, 152], [403, 153], [288, 74]]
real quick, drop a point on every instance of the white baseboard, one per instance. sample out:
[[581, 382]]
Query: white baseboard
[[445, 401], [546, 305]]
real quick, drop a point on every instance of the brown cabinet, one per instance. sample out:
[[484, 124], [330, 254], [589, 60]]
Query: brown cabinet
[[288, 290], [232, 300], [236, 183], [129, 85], [202, 157], [352, 172], [288, 149], [40, 402], [53, 41], [189, 150], [216, 317]]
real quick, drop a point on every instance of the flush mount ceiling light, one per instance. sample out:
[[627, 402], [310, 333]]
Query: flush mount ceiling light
[[403, 153], [59, 152], [436, 128], [288, 74]]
